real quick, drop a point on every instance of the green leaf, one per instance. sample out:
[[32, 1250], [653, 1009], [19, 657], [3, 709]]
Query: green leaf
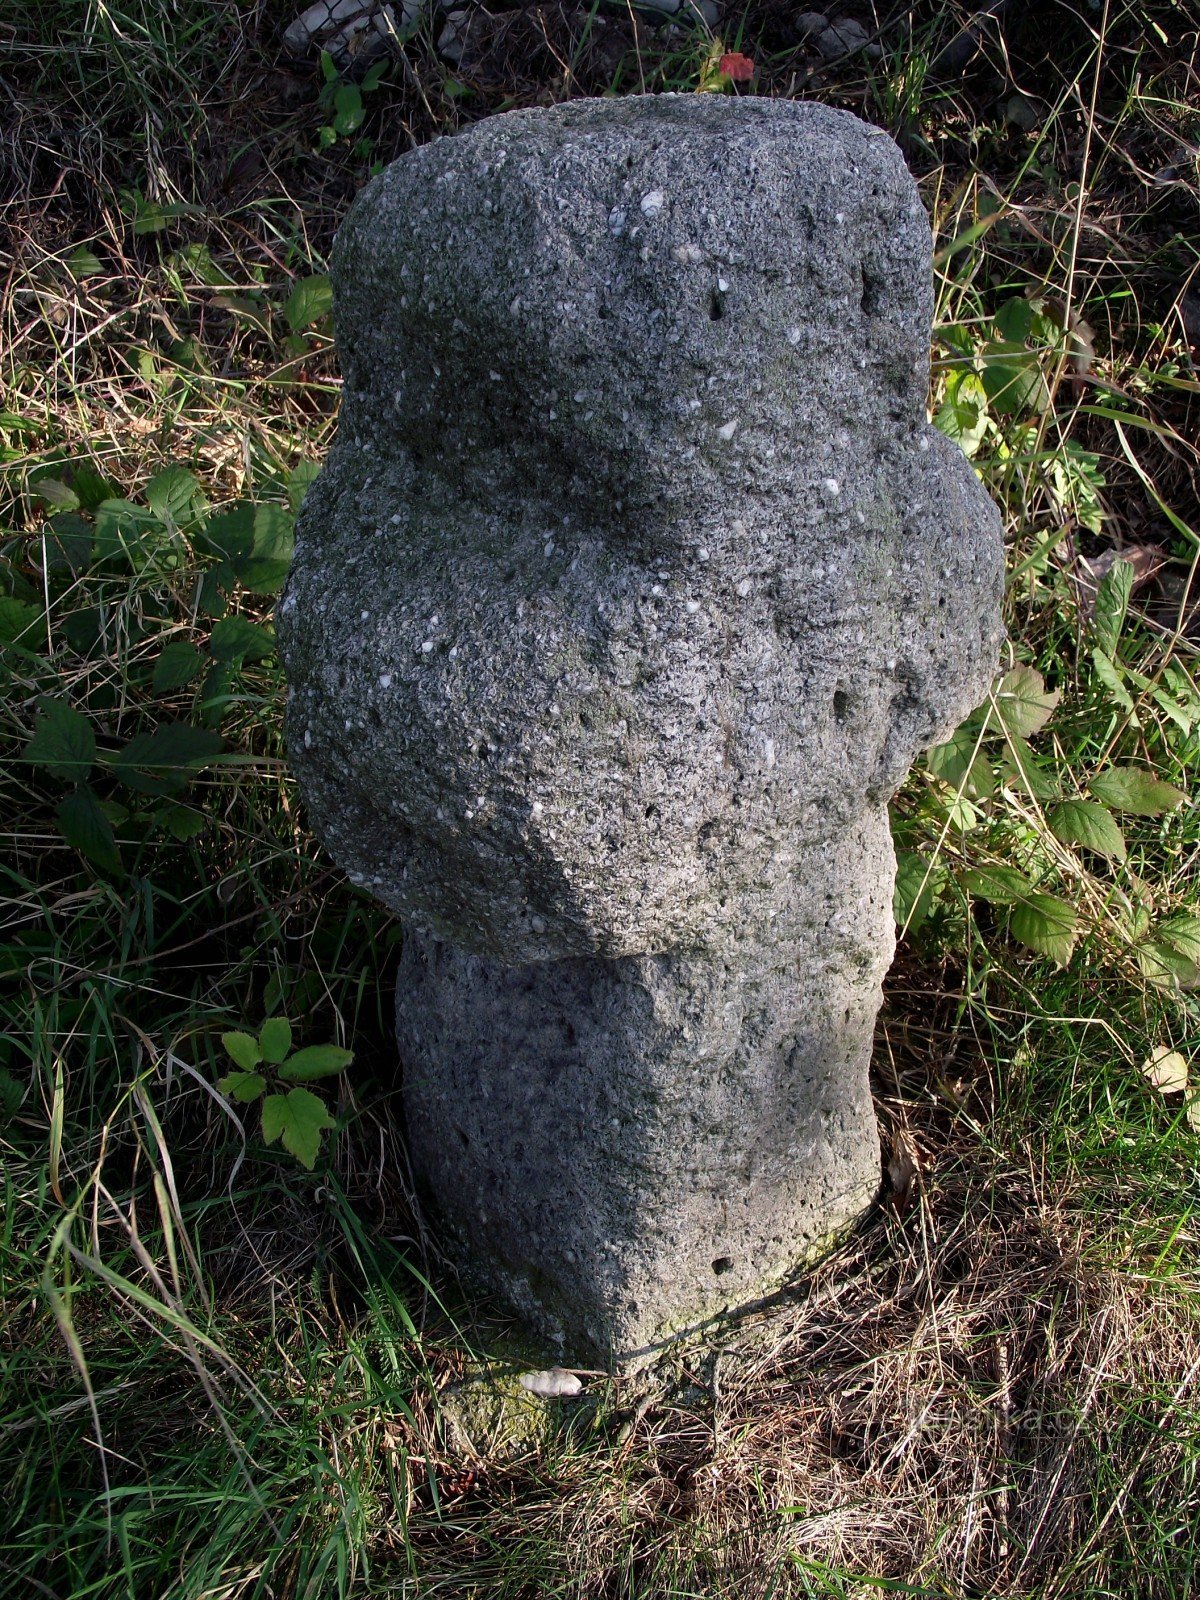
[[229, 535], [996, 883], [242, 1048], [1136, 790], [83, 263], [236, 638], [244, 1086], [963, 416], [264, 568], [301, 479], [184, 824], [301, 1118], [85, 828], [275, 1040], [174, 496], [1046, 924], [310, 300], [1181, 933], [55, 493], [18, 620], [12, 1092], [1112, 603], [162, 762], [63, 742], [244, 308], [317, 1061], [1023, 703], [178, 665], [1110, 676], [1014, 321], [1084, 822], [1166, 968], [962, 764], [348, 111], [1013, 379], [126, 534]]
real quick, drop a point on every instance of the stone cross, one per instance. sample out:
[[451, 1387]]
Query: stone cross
[[634, 581]]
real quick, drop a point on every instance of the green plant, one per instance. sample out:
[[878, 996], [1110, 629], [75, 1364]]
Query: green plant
[[344, 104], [296, 1114]]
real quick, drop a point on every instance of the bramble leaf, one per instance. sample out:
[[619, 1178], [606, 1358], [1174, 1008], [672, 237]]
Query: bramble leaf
[[1136, 790], [1046, 924], [301, 1119], [317, 1061], [64, 742], [275, 1040], [243, 1049], [82, 823], [244, 1086], [1084, 822], [1023, 703]]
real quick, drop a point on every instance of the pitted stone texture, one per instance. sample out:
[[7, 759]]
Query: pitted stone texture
[[627, 1148], [634, 582], [635, 566]]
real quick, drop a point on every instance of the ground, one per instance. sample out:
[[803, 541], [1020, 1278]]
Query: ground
[[234, 1365]]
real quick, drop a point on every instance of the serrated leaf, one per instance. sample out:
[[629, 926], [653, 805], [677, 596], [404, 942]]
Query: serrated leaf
[[1182, 934], [1023, 703], [316, 1061], [919, 882], [1192, 1112], [1112, 604], [229, 535], [301, 1119], [300, 480], [56, 493], [83, 263], [236, 639], [962, 764], [18, 621], [1014, 321], [1110, 676], [1013, 380], [242, 1048], [162, 762], [1166, 1070], [1046, 924], [963, 416], [1020, 768], [310, 300], [1164, 967], [84, 826], [244, 1086], [275, 1039], [1087, 823], [63, 742], [177, 666], [263, 570], [184, 824], [1136, 790], [173, 495], [997, 884]]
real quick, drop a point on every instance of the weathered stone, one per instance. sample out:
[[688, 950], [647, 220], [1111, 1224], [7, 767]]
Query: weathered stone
[[634, 582]]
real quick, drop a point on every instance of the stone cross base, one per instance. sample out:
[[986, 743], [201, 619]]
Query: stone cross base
[[627, 1148]]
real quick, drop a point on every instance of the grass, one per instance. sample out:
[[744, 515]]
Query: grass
[[223, 1375]]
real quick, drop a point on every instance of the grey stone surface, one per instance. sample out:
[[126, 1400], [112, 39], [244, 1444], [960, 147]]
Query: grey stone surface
[[634, 581]]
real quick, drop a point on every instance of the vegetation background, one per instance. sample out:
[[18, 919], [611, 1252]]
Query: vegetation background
[[232, 1364]]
